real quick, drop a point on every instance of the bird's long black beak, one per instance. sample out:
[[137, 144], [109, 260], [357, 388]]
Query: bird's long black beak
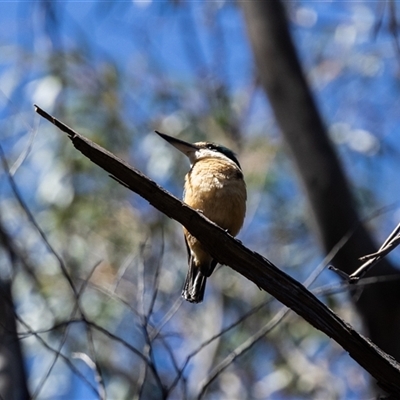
[[185, 147]]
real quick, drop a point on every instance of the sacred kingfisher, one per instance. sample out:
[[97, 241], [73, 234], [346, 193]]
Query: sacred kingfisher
[[215, 186]]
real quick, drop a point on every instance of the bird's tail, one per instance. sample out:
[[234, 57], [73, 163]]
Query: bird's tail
[[195, 283]]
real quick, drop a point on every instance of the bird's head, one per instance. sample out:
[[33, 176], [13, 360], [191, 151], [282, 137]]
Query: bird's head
[[199, 150]]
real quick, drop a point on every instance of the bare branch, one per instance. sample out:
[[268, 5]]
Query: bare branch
[[253, 266], [33, 221], [57, 352], [215, 337], [244, 347], [391, 242]]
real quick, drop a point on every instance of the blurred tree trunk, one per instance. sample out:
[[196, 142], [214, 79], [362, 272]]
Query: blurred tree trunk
[[330, 200], [13, 382]]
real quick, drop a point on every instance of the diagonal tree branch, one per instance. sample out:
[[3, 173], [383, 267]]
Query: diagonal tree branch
[[328, 192], [251, 265]]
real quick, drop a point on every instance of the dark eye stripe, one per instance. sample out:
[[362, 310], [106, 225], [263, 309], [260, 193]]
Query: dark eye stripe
[[228, 153]]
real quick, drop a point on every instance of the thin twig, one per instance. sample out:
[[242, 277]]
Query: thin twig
[[215, 337], [344, 285], [93, 366], [391, 242], [71, 366], [89, 334], [167, 317], [32, 220], [32, 131], [156, 277], [100, 329], [243, 348], [387, 245]]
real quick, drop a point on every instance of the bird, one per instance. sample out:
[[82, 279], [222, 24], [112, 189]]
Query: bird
[[214, 186]]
